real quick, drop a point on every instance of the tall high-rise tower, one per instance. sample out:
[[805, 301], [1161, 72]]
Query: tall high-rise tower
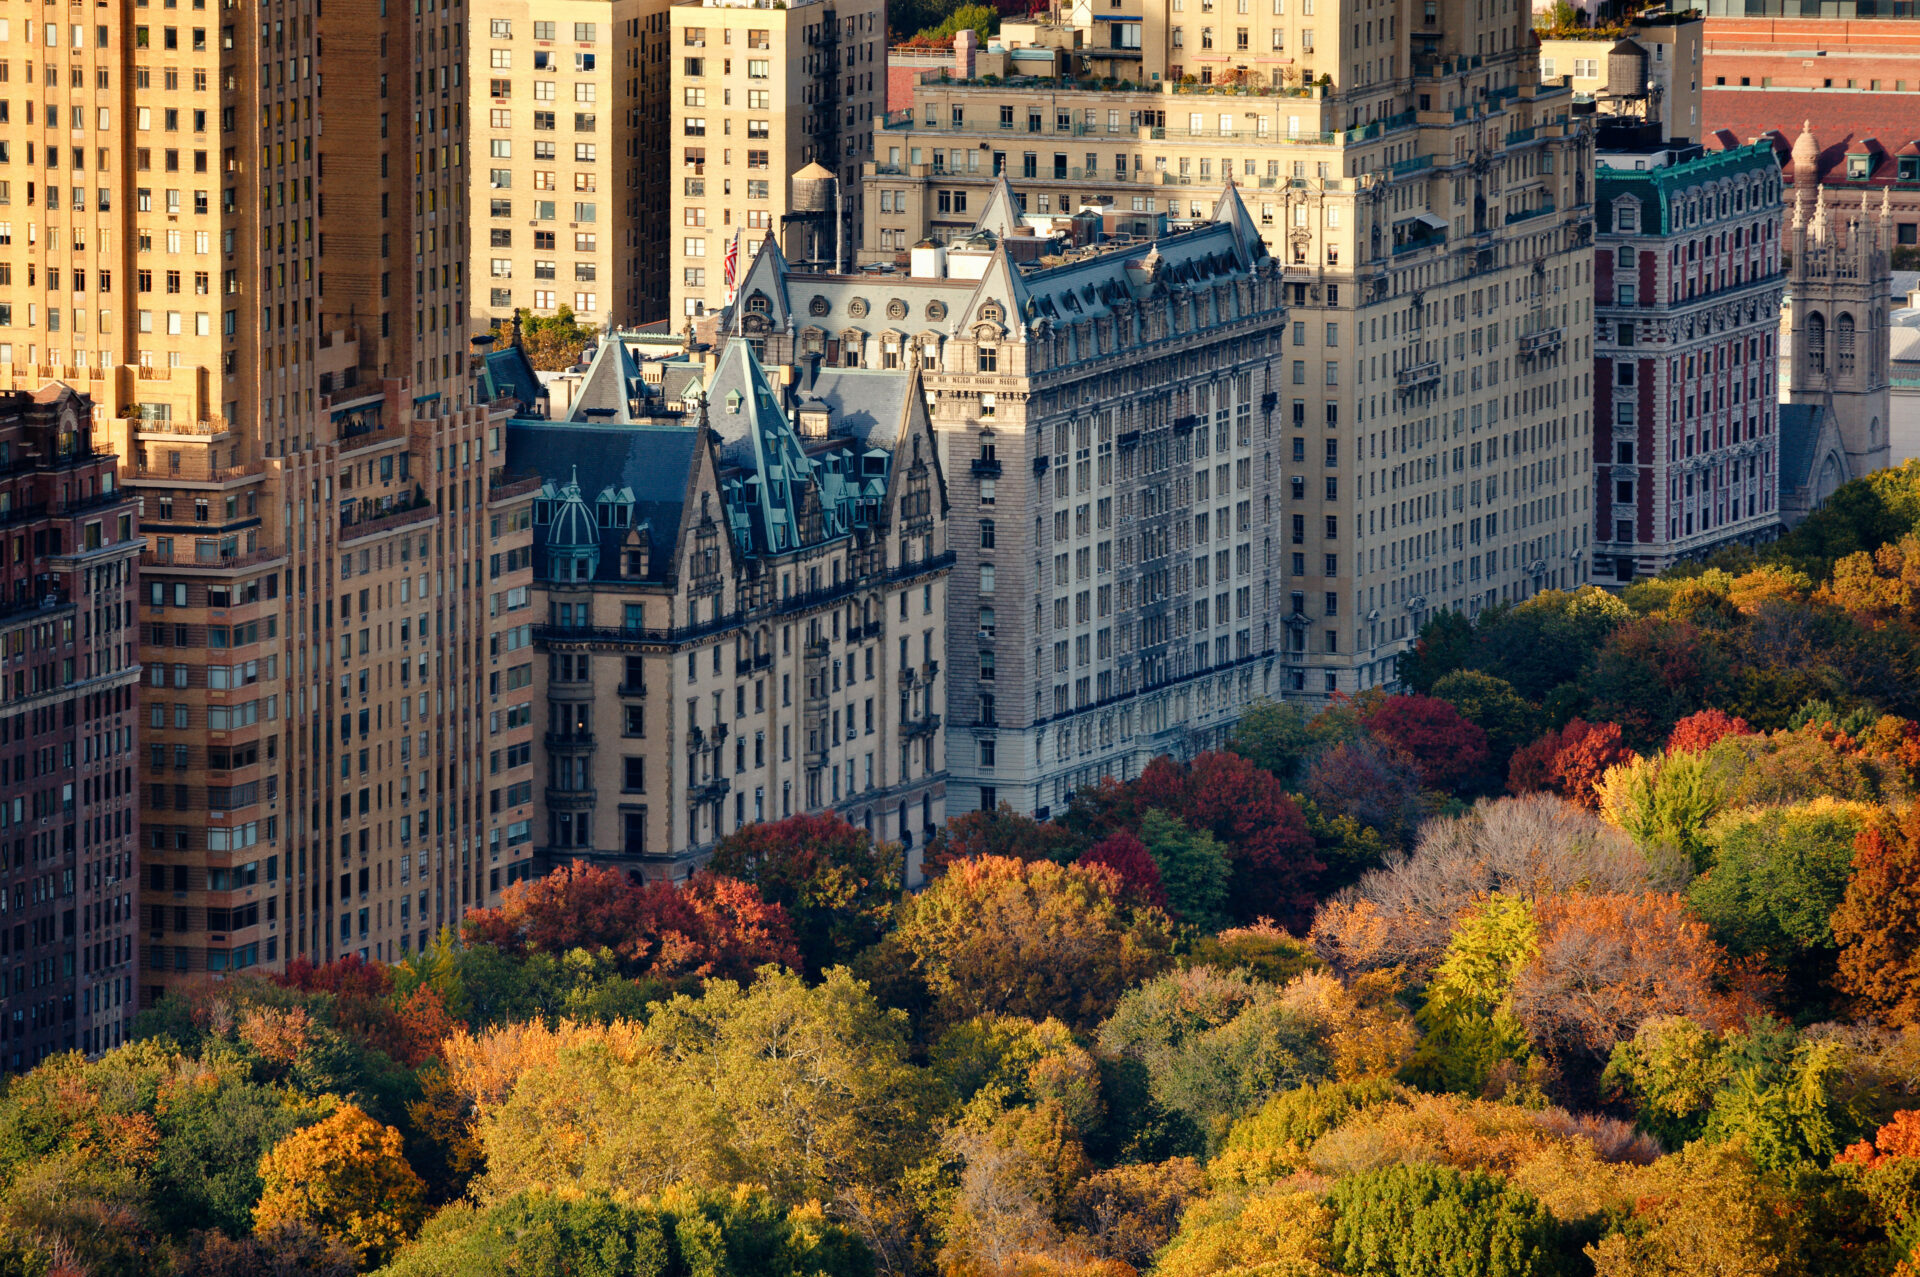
[[262, 286]]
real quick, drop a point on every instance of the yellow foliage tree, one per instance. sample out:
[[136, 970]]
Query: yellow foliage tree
[[1272, 1233], [348, 1178]]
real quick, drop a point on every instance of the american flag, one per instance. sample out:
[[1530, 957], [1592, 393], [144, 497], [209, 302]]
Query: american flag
[[730, 263]]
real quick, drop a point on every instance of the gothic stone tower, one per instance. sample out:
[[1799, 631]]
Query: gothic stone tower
[[1838, 308]]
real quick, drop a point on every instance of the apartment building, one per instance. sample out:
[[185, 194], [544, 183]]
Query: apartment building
[[1110, 421], [745, 607], [1687, 292], [570, 104], [269, 308], [1650, 67], [763, 89], [69, 733], [1429, 200]]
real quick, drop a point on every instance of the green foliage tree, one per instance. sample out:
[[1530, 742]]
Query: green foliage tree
[[1427, 1221], [1193, 869], [1665, 801], [1490, 703], [1276, 736], [553, 342], [1777, 875], [1214, 1044]]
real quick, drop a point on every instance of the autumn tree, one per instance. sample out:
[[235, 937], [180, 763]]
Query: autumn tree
[[1569, 762], [1030, 938], [711, 925], [836, 884], [1697, 732], [1267, 842], [1371, 783], [1704, 1210], [553, 342], [1129, 858], [1001, 832], [1448, 750], [1490, 703], [1468, 1015], [1275, 736], [1606, 962], [1665, 801], [1878, 921], [347, 1177]]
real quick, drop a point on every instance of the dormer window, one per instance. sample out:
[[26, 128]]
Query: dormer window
[[1859, 167], [733, 400]]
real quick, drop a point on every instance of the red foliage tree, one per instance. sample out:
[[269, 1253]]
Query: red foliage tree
[[1698, 732], [837, 885], [1128, 857], [1448, 750], [1001, 832], [363, 1007], [714, 926], [350, 976], [1568, 762], [1275, 868]]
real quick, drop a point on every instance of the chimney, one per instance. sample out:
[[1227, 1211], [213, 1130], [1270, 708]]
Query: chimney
[[965, 44]]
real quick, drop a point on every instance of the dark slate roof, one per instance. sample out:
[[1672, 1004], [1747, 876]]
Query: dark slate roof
[[866, 403], [654, 461], [1800, 428], [1841, 121], [509, 373]]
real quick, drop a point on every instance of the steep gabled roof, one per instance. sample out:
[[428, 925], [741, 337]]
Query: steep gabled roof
[[611, 385], [1001, 213], [765, 273]]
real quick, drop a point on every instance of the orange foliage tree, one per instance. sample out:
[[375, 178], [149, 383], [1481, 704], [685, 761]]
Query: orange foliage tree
[[837, 885], [1878, 921], [1698, 732], [1609, 961], [347, 1177], [713, 926]]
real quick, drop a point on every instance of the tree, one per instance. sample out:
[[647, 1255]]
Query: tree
[[553, 342], [1443, 646], [1448, 750], [1468, 1014], [1569, 762], [1129, 1212], [1778, 874], [1491, 704], [1697, 732], [1702, 1212], [1192, 869], [1669, 1072], [1878, 922], [1001, 832], [1266, 838], [1529, 848], [1665, 801], [982, 19], [1214, 1044], [1279, 1232], [1607, 962], [712, 925], [212, 1136], [1275, 737], [1374, 784], [346, 1177], [1129, 858], [285, 1250], [835, 884], [1030, 938], [1422, 1219]]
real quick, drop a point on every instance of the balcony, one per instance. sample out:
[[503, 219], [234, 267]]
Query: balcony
[[699, 738], [748, 664], [630, 689], [1418, 375], [569, 742], [925, 725], [711, 791], [570, 799], [1542, 342], [986, 467]]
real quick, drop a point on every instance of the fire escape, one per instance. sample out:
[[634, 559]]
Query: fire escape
[[823, 121]]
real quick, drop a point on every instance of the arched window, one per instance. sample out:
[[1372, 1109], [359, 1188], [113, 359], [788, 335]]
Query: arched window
[[1843, 345], [1817, 342]]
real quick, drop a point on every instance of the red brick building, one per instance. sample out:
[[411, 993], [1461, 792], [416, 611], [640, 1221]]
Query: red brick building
[[1849, 143], [69, 667], [1779, 52]]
